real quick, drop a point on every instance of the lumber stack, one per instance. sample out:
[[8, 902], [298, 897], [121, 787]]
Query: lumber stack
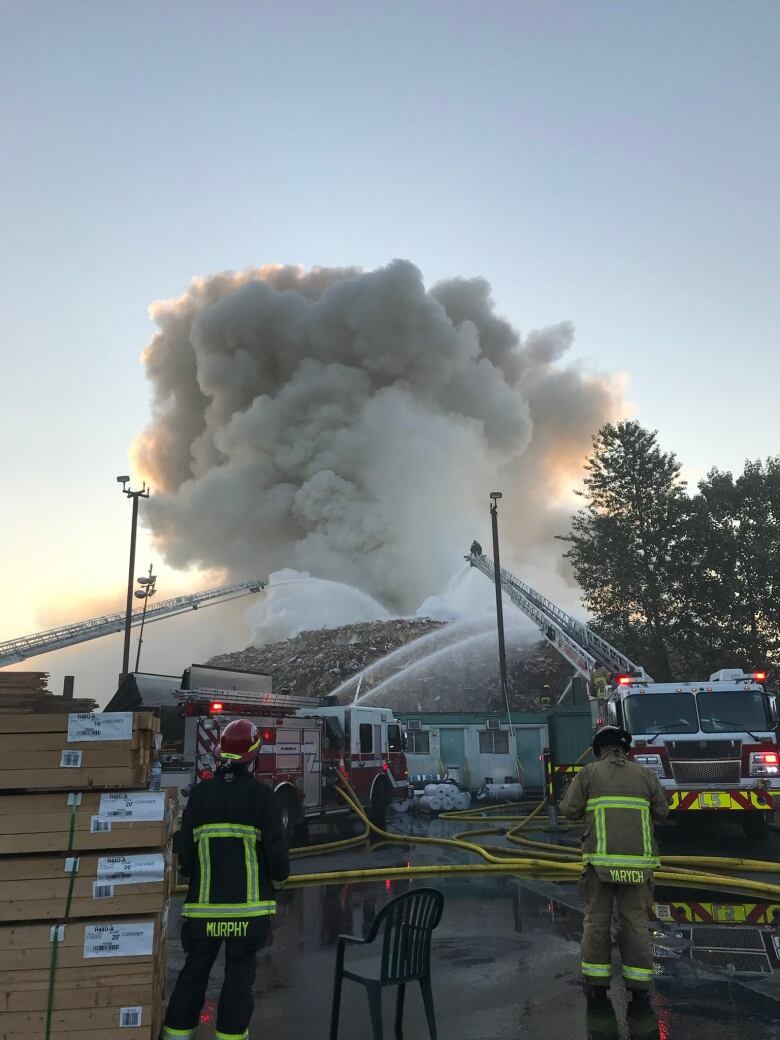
[[28, 692], [84, 878]]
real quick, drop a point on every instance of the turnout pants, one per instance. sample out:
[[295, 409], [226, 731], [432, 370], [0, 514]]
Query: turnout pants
[[636, 949], [201, 940]]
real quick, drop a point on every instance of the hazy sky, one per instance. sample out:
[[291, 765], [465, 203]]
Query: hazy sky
[[614, 164]]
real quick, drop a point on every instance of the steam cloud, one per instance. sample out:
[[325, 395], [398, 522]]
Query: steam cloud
[[351, 424]]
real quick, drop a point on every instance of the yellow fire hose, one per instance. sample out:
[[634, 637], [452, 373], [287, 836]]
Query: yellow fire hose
[[551, 862], [541, 865]]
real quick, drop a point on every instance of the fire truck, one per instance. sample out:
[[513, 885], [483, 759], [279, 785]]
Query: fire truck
[[712, 743], [305, 748]]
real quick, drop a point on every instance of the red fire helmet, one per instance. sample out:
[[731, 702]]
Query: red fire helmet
[[240, 741]]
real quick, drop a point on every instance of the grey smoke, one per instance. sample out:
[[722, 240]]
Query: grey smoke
[[351, 424]]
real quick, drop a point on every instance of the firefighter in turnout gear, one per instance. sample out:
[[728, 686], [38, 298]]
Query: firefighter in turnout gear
[[233, 848], [619, 802]]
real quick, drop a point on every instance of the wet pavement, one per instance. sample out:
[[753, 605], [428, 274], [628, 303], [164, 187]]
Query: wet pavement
[[505, 957]]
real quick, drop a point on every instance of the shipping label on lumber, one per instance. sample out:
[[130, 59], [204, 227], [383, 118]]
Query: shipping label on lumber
[[108, 725], [71, 759], [119, 940], [131, 870], [137, 806], [130, 1017]]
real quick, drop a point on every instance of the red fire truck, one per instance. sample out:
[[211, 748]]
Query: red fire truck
[[305, 748]]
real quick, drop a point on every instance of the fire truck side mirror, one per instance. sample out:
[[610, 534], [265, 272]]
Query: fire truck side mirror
[[772, 708]]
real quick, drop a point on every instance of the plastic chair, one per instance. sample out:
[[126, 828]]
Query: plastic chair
[[407, 924]]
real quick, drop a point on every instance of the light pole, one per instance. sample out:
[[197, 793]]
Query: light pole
[[146, 591], [134, 495], [495, 496]]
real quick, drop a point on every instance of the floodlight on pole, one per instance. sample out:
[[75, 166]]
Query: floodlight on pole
[[147, 590]]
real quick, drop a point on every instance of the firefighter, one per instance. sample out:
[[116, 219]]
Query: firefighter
[[619, 802], [476, 548], [233, 848], [600, 679]]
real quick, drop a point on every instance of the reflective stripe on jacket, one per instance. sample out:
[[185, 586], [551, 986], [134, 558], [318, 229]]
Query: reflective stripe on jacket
[[619, 802], [233, 847]]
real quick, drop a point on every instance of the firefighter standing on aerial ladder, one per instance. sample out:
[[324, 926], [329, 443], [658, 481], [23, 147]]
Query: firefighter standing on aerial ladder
[[619, 801], [233, 848], [600, 677]]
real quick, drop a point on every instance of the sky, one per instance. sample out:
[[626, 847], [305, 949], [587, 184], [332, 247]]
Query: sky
[[615, 165]]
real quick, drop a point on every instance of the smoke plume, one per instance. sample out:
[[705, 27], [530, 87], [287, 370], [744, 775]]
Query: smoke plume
[[350, 424]]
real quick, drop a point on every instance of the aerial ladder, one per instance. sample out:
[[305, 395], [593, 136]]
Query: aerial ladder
[[573, 639], [13, 650]]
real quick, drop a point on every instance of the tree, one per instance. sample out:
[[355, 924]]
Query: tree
[[626, 543], [736, 531]]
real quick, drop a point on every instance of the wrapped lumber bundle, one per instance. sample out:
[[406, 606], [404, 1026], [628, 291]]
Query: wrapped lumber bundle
[[83, 980], [84, 877], [76, 751]]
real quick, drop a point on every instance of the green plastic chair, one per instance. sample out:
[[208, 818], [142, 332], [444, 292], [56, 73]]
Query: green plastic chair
[[406, 925]]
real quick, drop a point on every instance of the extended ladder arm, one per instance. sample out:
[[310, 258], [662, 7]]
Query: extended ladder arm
[[12, 650], [575, 641]]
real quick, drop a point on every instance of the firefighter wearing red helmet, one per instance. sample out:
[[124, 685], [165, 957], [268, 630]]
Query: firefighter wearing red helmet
[[233, 848], [619, 802]]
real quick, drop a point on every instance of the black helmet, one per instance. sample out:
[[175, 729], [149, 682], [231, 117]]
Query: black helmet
[[610, 736]]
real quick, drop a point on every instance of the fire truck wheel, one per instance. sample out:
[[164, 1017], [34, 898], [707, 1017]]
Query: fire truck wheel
[[380, 800], [755, 825], [291, 814]]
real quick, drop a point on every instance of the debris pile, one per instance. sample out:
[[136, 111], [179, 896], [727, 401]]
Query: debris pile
[[28, 691], [432, 676]]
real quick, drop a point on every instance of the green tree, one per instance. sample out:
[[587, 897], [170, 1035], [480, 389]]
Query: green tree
[[735, 529], [626, 543]]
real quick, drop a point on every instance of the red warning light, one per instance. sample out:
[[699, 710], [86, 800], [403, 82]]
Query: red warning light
[[759, 676], [624, 680], [216, 707], [267, 735]]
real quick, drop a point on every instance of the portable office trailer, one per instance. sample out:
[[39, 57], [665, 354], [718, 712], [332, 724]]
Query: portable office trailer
[[477, 747]]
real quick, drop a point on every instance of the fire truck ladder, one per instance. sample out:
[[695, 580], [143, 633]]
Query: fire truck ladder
[[575, 641], [246, 698], [12, 650]]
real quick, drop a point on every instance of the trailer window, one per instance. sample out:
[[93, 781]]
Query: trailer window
[[419, 742], [661, 713], [732, 711], [394, 738], [366, 735], [493, 742]]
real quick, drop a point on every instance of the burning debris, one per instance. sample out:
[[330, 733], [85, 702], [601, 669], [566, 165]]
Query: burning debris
[[442, 668]]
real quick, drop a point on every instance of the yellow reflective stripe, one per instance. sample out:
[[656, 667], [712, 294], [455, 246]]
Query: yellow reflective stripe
[[250, 859], [606, 860], [647, 839], [226, 830], [231, 1036], [616, 802], [637, 974], [177, 1034], [601, 832], [228, 910], [599, 971], [204, 863]]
